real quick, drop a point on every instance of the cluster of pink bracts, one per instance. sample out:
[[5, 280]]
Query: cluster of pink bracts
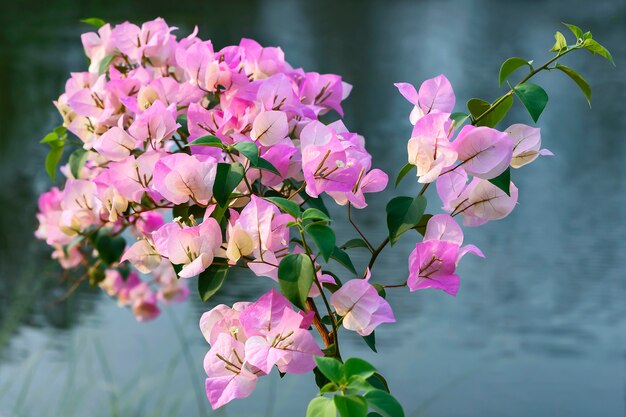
[[127, 112]]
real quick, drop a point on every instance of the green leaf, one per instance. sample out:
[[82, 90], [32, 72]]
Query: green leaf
[[52, 161], [533, 97], [267, 166], [182, 121], [321, 407], [357, 366], [285, 205], [208, 140], [575, 30], [374, 414], [503, 181], [110, 248], [324, 238], [60, 131], [378, 381], [317, 203], [249, 150], [227, 178], [77, 161], [478, 107], [578, 79], [509, 66], [359, 384], [458, 118], [354, 243], [315, 214], [344, 259], [421, 226], [50, 138], [405, 170], [561, 43], [295, 277], [94, 21], [370, 341], [211, 279], [105, 63], [384, 403], [330, 387], [350, 405], [595, 48], [331, 368], [403, 213]]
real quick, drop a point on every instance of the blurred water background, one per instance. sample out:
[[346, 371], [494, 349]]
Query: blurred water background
[[538, 328]]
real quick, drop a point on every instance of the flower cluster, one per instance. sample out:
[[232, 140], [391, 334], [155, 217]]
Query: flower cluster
[[143, 113], [249, 339], [190, 161]]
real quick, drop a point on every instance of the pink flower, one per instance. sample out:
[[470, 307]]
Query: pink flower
[[433, 262], [143, 302], [484, 152], [258, 231], [361, 307], [155, 125], [527, 144], [435, 95], [143, 255], [229, 375], [132, 177], [115, 144], [275, 336], [270, 127], [478, 202], [194, 247], [180, 177], [429, 148]]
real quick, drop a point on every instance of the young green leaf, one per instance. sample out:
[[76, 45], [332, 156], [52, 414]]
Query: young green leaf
[[285, 205], [94, 21], [478, 107], [354, 243], [351, 405], [295, 277], [405, 170], [77, 160], [384, 403], [249, 150], [321, 407], [331, 368], [343, 258], [595, 48], [227, 178], [315, 214], [211, 280], [324, 238], [208, 140], [359, 384], [578, 33], [403, 213], [533, 97], [578, 79], [509, 66], [357, 366], [560, 44], [52, 161], [503, 181], [105, 63]]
